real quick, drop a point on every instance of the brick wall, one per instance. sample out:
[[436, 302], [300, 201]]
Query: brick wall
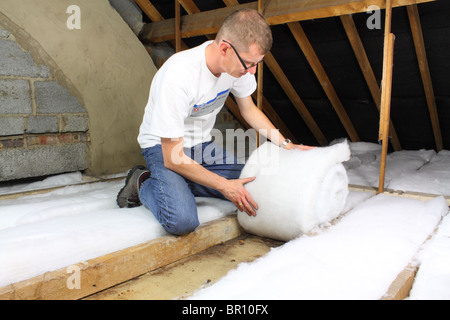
[[43, 128]]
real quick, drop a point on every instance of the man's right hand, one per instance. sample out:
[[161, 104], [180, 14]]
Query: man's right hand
[[235, 191]]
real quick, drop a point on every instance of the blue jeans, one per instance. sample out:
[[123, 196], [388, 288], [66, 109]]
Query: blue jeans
[[170, 197]]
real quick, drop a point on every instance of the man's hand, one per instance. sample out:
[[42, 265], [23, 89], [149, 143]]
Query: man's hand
[[234, 191], [302, 147]]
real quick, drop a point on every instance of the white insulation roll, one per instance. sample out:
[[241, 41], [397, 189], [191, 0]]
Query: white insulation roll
[[295, 190]]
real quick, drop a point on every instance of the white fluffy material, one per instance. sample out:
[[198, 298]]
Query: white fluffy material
[[295, 190]]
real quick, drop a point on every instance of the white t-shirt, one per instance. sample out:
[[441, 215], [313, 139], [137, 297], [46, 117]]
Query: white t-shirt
[[185, 98]]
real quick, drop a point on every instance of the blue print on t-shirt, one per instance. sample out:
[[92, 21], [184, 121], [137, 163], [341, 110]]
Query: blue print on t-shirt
[[208, 107]]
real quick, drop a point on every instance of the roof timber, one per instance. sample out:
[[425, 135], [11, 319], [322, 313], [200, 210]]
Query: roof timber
[[294, 97], [416, 30], [276, 12], [321, 75], [366, 68], [149, 9], [154, 15], [330, 8]]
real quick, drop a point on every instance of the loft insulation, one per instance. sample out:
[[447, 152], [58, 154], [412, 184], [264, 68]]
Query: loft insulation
[[295, 190]]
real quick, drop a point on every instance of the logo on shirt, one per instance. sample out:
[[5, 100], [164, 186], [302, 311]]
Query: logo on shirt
[[208, 107]]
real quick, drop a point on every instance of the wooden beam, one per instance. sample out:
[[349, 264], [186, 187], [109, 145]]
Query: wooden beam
[[276, 12], [259, 89], [366, 68], [399, 193], [262, 4], [233, 107], [276, 120], [106, 271], [321, 75], [189, 6], [177, 26], [295, 98], [154, 15], [386, 67], [386, 87], [148, 8], [416, 29], [202, 23]]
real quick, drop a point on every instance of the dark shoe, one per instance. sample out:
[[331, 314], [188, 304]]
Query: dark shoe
[[128, 196]]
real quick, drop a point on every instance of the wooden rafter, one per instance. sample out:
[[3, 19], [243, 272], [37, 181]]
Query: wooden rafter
[[276, 12], [148, 8], [366, 68], [276, 120], [321, 75], [177, 26], [295, 98], [154, 15], [416, 29], [189, 6]]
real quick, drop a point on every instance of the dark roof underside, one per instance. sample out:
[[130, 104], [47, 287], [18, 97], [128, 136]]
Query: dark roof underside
[[409, 111]]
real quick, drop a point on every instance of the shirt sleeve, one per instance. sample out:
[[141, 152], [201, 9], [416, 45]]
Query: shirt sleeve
[[171, 107], [244, 86]]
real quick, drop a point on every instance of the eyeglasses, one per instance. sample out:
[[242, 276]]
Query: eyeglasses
[[240, 59]]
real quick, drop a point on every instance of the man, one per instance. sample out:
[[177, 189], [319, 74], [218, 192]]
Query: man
[[185, 96]]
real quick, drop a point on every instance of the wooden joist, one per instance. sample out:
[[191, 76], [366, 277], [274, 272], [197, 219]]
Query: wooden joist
[[276, 12], [398, 193], [402, 285], [106, 271]]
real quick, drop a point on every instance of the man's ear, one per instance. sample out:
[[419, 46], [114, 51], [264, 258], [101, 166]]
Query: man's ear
[[223, 48]]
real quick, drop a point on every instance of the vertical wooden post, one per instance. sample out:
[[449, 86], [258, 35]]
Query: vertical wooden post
[[386, 87], [386, 107], [177, 27], [259, 90]]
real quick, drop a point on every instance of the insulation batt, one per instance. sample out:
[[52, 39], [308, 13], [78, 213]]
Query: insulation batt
[[295, 190]]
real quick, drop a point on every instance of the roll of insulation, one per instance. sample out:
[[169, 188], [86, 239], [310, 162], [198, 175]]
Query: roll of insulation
[[295, 190]]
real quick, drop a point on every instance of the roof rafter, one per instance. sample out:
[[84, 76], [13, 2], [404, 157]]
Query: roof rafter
[[321, 75], [366, 68], [416, 29], [294, 97], [276, 12]]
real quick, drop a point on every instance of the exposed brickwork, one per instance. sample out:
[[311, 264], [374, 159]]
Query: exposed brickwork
[[11, 143], [38, 118]]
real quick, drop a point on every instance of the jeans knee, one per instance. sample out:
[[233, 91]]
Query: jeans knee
[[181, 226]]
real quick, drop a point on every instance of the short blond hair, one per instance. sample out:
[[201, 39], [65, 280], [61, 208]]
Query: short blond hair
[[244, 28]]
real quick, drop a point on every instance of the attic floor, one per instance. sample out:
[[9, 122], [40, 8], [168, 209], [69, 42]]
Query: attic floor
[[182, 278]]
